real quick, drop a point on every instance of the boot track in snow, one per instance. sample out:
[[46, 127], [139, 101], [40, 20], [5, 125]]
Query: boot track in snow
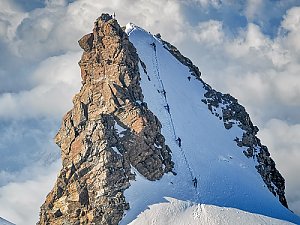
[[163, 95]]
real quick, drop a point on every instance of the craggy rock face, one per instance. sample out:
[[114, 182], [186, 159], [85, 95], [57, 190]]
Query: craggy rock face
[[232, 113], [108, 131]]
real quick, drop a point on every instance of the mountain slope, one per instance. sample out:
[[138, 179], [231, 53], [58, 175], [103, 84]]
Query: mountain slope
[[226, 177], [120, 147]]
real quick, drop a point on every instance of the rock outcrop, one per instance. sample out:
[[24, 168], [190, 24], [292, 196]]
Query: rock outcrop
[[232, 113], [108, 131]]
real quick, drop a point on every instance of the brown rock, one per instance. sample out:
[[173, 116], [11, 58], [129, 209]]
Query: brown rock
[[97, 159]]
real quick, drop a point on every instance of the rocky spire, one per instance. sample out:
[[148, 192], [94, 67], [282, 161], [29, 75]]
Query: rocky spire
[[108, 131]]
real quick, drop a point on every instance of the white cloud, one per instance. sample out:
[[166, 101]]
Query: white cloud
[[57, 79], [10, 17], [209, 32], [21, 201], [284, 141], [260, 71], [207, 3], [55, 29], [291, 21], [55, 3], [26, 144], [252, 8], [291, 24]]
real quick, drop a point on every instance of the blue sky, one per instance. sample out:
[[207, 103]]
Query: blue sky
[[247, 48]]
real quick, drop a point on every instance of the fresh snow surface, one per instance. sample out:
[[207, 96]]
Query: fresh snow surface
[[119, 129], [226, 178], [129, 27], [186, 213]]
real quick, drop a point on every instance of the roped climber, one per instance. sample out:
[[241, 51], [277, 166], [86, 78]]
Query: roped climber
[[167, 107], [178, 140], [154, 46], [195, 182]]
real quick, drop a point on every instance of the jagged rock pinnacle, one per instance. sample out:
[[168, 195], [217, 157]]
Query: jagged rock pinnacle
[[108, 131]]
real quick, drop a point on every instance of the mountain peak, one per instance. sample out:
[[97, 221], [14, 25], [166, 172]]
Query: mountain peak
[[145, 126], [105, 17], [108, 131]]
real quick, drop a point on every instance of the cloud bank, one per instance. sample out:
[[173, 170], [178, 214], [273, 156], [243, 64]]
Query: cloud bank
[[247, 48]]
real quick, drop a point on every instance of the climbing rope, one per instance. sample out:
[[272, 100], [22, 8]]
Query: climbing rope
[[164, 97]]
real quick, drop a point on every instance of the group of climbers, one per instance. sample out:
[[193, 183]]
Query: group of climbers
[[167, 107], [154, 47]]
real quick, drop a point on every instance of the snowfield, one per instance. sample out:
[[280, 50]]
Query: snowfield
[[229, 189], [185, 213]]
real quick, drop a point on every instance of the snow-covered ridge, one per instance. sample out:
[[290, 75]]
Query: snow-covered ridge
[[208, 151], [186, 213], [131, 27]]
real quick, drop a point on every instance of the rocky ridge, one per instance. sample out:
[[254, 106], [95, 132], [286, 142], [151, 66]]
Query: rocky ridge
[[107, 132]]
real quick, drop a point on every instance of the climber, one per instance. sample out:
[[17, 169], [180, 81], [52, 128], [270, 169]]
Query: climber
[[164, 92], [114, 15], [195, 182], [154, 46], [178, 140], [167, 107], [189, 78]]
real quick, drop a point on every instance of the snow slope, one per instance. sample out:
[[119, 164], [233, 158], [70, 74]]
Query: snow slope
[[186, 213], [226, 178]]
